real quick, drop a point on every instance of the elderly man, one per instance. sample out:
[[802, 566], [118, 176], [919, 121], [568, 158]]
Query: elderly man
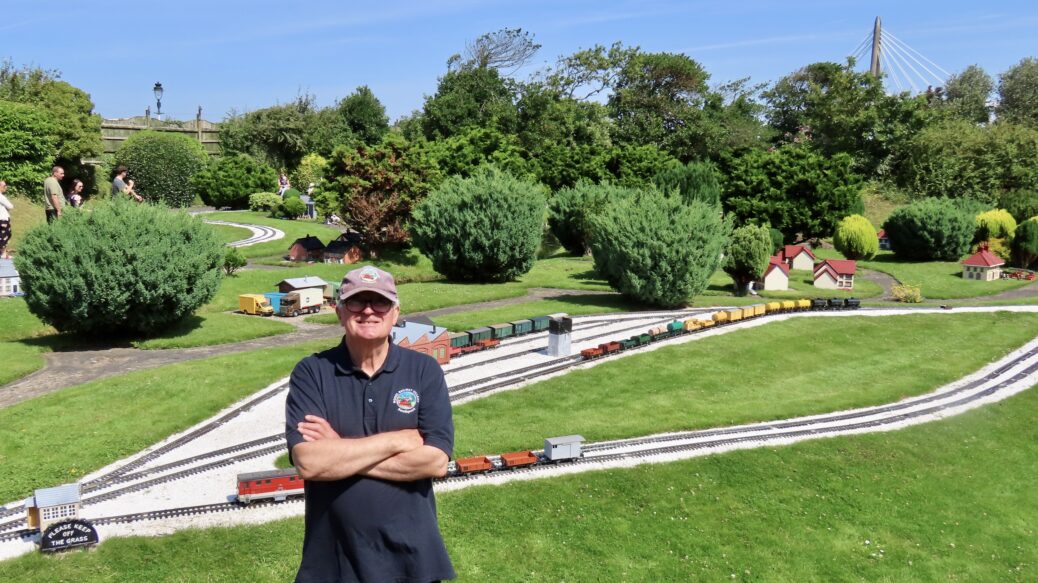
[[368, 426]]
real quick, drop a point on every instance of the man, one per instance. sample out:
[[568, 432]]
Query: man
[[53, 196], [368, 426], [121, 186]]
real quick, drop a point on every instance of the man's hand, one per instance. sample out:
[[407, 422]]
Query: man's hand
[[315, 428]]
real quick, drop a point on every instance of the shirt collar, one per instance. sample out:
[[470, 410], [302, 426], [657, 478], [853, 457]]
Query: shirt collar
[[344, 364]]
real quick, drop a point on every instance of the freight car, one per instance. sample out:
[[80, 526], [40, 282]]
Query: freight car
[[490, 336]]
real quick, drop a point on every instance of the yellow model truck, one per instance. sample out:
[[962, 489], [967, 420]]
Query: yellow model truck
[[255, 305]]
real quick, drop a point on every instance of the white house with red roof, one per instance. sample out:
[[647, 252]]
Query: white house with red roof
[[776, 276], [982, 265], [835, 274], [884, 240], [798, 257]]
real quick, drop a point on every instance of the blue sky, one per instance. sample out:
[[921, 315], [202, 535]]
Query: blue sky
[[232, 54]]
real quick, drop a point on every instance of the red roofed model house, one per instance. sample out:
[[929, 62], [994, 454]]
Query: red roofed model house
[[835, 274], [884, 240], [306, 248], [776, 276], [983, 265], [798, 257]]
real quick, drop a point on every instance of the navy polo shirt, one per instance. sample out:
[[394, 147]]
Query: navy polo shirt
[[360, 528]]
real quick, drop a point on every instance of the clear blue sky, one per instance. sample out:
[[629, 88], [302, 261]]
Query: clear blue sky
[[225, 54]]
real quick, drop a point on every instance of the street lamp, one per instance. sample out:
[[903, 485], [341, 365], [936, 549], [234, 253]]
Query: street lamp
[[157, 90]]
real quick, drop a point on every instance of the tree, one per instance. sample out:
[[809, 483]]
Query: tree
[[657, 249], [1021, 203], [483, 228], [635, 166], [230, 180], [508, 48], [374, 188], [856, 238], [469, 98], [121, 268], [364, 115], [794, 189], [692, 181], [747, 255], [26, 148], [994, 224], [162, 165], [1025, 244], [464, 152], [280, 135], [1018, 93], [233, 261], [966, 94], [930, 230], [571, 209], [589, 72], [310, 171]]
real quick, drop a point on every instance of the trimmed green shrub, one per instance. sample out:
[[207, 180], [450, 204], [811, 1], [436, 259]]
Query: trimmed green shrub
[[121, 268], [656, 249], [571, 209], [291, 193], [777, 240], [162, 165], [747, 255], [856, 238], [311, 170], [1025, 244], [26, 148], [229, 180], [486, 227], [692, 181], [233, 261], [264, 202], [1022, 204], [930, 230], [994, 224], [292, 208]]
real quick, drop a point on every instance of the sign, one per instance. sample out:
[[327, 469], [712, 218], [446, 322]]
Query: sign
[[68, 535]]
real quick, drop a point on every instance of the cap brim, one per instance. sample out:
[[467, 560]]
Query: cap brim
[[385, 294]]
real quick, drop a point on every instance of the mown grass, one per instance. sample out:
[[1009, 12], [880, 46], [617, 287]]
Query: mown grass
[[274, 250], [25, 215], [16, 324], [946, 501], [216, 328], [229, 234]]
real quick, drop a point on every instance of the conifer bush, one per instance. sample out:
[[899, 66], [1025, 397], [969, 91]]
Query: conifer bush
[[656, 249], [930, 230], [570, 211], [747, 255], [120, 268], [856, 238], [486, 227], [1025, 243], [692, 181], [162, 165], [995, 224], [230, 180]]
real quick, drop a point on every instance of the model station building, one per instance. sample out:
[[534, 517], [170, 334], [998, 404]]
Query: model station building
[[50, 505], [983, 266], [421, 335]]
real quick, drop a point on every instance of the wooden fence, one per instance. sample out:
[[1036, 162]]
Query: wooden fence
[[115, 131]]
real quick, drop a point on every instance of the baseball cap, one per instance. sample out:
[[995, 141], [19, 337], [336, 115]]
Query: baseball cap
[[370, 279]]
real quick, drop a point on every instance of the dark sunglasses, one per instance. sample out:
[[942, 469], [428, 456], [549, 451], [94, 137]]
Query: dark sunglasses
[[378, 305]]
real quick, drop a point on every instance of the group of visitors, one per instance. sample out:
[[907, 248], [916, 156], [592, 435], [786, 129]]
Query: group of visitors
[[54, 199]]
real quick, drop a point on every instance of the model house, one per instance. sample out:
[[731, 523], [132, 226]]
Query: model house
[[306, 248], [345, 249], [835, 274], [297, 283], [49, 505], [776, 276], [884, 240], [982, 265], [10, 281], [798, 257], [423, 336]]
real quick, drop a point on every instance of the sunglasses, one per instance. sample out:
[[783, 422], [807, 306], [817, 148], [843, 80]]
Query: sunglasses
[[378, 305]]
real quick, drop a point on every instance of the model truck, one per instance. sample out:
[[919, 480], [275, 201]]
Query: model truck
[[303, 301], [254, 305]]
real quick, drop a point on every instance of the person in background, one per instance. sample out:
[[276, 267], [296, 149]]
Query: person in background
[[53, 196], [283, 184], [5, 220], [75, 198], [121, 186]]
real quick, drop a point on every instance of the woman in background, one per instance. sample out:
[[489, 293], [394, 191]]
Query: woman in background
[[5, 220], [75, 198]]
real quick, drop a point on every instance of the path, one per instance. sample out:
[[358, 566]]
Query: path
[[883, 280]]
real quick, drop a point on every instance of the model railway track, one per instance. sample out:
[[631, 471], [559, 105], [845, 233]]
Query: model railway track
[[260, 233], [819, 425]]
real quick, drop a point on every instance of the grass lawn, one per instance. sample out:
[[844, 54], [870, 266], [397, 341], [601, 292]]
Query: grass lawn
[[946, 501], [229, 234], [215, 328], [274, 250], [25, 215], [19, 358]]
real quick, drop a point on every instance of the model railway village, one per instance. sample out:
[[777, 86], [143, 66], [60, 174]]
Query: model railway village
[[691, 328]]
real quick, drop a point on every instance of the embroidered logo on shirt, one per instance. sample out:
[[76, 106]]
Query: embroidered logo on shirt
[[368, 275], [406, 400]]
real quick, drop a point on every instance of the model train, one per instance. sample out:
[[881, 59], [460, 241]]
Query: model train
[[490, 336], [719, 318], [279, 485]]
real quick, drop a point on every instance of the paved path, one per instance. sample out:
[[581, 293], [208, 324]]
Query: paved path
[[883, 280]]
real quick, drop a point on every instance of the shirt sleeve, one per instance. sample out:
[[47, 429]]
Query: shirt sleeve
[[435, 421], [304, 398], [6, 203]]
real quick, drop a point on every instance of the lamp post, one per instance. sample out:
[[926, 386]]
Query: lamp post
[[157, 90]]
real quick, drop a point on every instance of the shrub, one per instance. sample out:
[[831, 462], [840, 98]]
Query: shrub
[[1020, 203], [264, 202], [906, 293], [291, 193], [121, 268], [162, 165], [1025, 244], [483, 228], [292, 208], [692, 181], [856, 238], [571, 209], [311, 169], [229, 180], [233, 260], [26, 150], [657, 249], [777, 240], [747, 254], [930, 229], [998, 246], [994, 224], [635, 166]]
